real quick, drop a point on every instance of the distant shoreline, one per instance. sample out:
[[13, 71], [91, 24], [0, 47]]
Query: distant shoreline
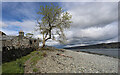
[[97, 46]]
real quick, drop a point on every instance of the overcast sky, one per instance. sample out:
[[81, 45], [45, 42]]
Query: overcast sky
[[93, 22]]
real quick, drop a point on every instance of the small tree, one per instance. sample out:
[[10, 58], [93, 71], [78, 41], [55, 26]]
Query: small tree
[[53, 22], [30, 35]]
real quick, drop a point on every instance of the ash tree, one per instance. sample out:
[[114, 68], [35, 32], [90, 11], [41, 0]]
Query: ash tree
[[52, 22]]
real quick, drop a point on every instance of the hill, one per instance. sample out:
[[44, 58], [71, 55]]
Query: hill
[[102, 45]]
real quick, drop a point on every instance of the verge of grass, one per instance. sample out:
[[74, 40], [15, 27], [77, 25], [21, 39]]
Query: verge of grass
[[18, 65], [15, 66], [36, 56]]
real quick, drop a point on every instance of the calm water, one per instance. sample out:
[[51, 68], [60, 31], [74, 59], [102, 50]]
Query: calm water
[[109, 52]]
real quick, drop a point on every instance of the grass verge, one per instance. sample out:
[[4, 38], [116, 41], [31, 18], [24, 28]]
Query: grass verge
[[18, 65], [36, 56]]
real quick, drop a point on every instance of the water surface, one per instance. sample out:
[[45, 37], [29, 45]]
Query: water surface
[[108, 52]]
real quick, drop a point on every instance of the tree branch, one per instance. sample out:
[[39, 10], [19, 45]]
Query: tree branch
[[46, 35]]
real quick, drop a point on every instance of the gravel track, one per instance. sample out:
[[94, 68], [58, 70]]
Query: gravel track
[[79, 63]]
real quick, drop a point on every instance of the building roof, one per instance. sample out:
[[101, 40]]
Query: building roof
[[2, 33]]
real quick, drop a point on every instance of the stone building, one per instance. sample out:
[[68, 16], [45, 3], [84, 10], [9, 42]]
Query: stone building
[[19, 41]]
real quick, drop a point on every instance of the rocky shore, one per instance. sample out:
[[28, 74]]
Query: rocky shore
[[66, 61]]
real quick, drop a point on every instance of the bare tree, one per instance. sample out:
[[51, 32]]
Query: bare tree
[[52, 23]]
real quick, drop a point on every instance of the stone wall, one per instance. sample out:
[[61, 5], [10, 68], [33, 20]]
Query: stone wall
[[17, 42], [14, 47], [13, 54]]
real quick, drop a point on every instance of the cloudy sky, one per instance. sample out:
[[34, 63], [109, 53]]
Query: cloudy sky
[[93, 22]]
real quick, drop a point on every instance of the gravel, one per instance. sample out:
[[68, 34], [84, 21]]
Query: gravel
[[79, 63]]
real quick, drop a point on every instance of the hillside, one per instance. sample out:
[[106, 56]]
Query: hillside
[[102, 45]]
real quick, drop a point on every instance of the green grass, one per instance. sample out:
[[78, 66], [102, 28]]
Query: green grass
[[35, 70], [18, 65], [36, 56]]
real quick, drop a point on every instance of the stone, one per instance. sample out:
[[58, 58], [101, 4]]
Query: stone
[[19, 41]]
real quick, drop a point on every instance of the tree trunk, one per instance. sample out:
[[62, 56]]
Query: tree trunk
[[43, 43]]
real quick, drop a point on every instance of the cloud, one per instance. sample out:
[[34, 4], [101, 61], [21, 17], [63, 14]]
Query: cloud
[[109, 41], [9, 32], [93, 35], [2, 24], [93, 22], [52, 43], [26, 25], [87, 14], [101, 33], [61, 1]]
